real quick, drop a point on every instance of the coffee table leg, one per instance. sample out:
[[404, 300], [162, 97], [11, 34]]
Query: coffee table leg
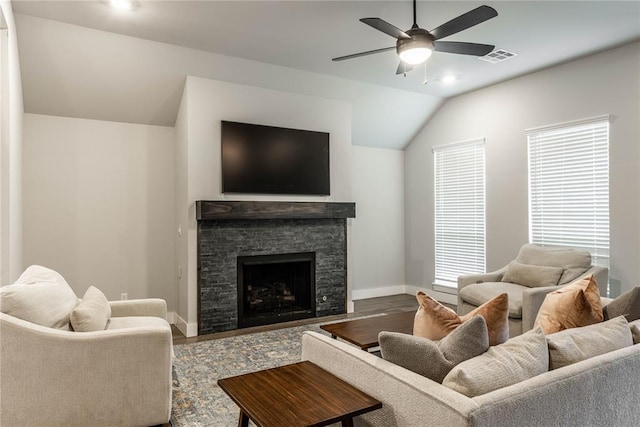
[[244, 420], [347, 423]]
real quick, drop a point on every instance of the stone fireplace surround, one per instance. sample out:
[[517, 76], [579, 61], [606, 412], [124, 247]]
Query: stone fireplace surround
[[228, 229]]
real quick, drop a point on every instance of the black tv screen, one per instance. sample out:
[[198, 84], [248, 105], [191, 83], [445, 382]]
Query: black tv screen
[[273, 160]]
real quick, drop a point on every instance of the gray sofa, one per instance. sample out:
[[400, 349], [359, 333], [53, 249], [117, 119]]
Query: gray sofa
[[601, 391], [525, 301]]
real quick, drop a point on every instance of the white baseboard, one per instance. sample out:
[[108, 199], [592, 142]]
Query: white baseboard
[[171, 317], [439, 296], [350, 307], [402, 289], [377, 292], [187, 329]]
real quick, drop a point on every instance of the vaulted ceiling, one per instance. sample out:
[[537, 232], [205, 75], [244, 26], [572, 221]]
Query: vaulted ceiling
[[122, 73]]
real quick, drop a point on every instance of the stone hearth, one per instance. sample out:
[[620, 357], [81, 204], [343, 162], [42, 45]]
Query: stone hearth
[[228, 230]]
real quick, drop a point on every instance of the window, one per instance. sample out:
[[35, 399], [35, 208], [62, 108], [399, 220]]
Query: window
[[569, 186], [459, 211]]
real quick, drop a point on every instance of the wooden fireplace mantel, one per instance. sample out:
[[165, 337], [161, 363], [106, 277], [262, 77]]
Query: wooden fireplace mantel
[[224, 209]]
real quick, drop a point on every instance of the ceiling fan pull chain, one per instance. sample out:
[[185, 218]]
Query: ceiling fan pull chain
[[425, 81]]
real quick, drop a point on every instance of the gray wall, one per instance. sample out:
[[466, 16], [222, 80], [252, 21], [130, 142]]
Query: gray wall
[[605, 83], [99, 205]]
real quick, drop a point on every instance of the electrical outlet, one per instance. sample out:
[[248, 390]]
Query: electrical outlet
[[124, 296]]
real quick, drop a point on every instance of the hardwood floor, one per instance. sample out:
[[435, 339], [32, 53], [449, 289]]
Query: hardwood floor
[[388, 304]]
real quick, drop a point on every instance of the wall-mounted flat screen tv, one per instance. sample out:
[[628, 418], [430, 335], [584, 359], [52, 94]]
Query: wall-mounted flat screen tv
[[272, 160]]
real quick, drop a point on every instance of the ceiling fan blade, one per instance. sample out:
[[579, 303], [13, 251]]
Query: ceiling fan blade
[[463, 48], [403, 68], [386, 28], [462, 22], [369, 52]]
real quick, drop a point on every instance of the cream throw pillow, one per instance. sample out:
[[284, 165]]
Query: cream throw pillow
[[40, 296], [516, 360], [93, 312], [571, 306], [435, 321], [576, 344], [532, 276]]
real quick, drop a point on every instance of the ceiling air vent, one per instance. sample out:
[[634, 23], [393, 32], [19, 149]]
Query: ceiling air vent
[[498, 55]]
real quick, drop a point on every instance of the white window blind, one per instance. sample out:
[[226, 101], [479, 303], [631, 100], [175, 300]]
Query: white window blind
[[459, 211], [569, 186]]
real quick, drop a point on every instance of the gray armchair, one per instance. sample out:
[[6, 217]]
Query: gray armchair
[[525, 301]]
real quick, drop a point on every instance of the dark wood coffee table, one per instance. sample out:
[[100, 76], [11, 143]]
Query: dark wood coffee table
[[301, 394], [364, 332]]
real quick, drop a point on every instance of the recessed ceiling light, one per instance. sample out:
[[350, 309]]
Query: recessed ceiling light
[[121, 4], [448, 79]]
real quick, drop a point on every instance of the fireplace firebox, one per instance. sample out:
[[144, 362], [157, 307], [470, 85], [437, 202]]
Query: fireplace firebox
[[276, 288]]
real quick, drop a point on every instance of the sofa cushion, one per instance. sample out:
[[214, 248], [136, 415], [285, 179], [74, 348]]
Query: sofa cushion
[[92, 313], [479, 293], [571, 306], [573, 261], [627, 305], [434, 359], [516, 360], [532, 276], [577, 344], [435, 321], [40, 296]]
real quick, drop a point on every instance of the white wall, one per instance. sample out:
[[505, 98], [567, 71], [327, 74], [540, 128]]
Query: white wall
[[378, 229], [99, 204], [108, 76], [210, 101], [605, 83], [11, 116]]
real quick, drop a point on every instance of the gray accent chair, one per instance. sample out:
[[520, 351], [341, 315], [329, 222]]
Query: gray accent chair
[[120, 376], [524, 302]]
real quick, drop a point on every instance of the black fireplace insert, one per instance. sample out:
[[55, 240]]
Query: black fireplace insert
[[276, 288]]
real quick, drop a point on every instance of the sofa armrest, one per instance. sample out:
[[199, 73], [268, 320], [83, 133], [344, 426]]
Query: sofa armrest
[[408, 399], [599, 391], [153, 307], [533, 298], [601, 274], [102, 378]]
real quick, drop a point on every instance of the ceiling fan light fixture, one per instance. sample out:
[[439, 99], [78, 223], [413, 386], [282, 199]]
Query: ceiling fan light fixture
[[416, 49], [122, 4], [415, 55]]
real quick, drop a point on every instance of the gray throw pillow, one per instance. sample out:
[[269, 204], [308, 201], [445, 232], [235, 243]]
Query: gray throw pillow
[[434, 359], [635, 331], [576, 344], [533, 276], [627, 305], [516, 360]]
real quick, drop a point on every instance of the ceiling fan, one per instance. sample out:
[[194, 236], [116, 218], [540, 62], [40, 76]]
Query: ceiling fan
[[416, 45]]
